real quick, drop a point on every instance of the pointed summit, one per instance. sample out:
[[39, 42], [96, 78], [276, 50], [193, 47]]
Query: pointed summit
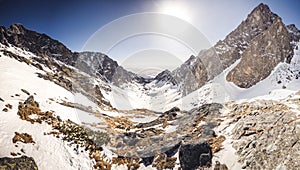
[[17, 29], [264, 53], [261, 15], [262, 7], [231, 48]]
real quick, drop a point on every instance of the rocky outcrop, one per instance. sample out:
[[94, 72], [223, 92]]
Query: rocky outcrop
[[31, 107], [264, 53], [266, 135], [22, 137], [194, 154], [23, 162]]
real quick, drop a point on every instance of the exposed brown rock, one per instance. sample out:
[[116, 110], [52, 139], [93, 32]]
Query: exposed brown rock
[[22, 137], [161, 161], [31, 107], [264, 53], [132, 163], [216, 143]]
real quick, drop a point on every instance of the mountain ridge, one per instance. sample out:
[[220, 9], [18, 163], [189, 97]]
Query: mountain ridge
[[190, 76], [71, 104]]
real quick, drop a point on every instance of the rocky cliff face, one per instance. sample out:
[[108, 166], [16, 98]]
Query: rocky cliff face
[[264, 53], [231, 48], [197, 71], [92, 63], [261, 41], [39, 44]]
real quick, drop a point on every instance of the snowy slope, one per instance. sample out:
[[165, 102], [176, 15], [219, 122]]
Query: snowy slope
[[282, 81], [48, 151]]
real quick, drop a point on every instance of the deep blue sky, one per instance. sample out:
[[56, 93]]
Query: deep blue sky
[[73, 22]]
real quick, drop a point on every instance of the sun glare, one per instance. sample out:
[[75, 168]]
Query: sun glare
[[176, 9]]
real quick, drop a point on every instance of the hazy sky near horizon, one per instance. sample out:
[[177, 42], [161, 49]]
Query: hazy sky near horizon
[[74, 22]]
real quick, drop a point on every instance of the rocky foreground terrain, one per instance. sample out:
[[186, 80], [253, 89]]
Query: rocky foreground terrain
[[59, 108]]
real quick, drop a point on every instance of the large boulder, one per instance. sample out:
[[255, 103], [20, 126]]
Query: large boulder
[[23, 162], [194, 153]]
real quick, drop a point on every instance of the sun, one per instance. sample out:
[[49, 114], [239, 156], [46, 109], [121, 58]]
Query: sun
[[176, 9]]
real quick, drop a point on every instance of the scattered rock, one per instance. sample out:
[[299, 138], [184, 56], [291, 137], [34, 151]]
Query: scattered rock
[[23, 162], [5, 110], [22, 137], [8, 106], [13, 154], [25, 91]]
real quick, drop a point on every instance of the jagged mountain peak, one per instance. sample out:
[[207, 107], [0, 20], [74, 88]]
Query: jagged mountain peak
[[261, 8], [17, 28], [264, 53], [234, 44], [292, 27], [261, 15], [294, 32]]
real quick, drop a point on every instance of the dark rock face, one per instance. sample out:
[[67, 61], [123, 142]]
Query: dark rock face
[[39, 44], [194, 154], [165, 76], [24, 163], [264, 53], [294, 32], [92, 63], [96, 64]]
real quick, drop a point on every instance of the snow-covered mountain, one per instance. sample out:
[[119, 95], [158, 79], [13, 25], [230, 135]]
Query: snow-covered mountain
[[81, 110]]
